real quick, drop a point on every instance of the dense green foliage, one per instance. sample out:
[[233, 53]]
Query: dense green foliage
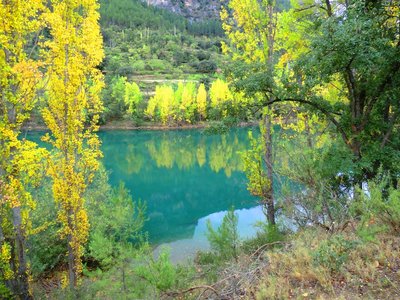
[[149, 45], [224, 240]]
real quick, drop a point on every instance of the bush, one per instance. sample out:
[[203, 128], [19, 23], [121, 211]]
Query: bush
[[206, 66], [116, 226], [224, 240], [158, 272], [378, 207], [333, 253], [266, 235]]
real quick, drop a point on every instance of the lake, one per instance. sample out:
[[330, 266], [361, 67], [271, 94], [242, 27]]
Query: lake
[[185, 177]]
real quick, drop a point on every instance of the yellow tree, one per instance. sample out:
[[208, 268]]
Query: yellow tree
[[178, 114], [151, 106], [201, 100], [19, 80], [165, 101], [74, 83], [251, 28], [219, 93], [188, 103]]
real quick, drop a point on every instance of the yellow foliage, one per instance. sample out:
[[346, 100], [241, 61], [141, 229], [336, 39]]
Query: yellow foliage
[[20, 160], [219, 93], [74, 83], [202, 101], [4, 261]]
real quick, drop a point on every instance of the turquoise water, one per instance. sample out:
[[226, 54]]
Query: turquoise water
[[184, 176]]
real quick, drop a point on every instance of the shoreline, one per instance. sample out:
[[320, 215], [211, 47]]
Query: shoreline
[[124, 126]]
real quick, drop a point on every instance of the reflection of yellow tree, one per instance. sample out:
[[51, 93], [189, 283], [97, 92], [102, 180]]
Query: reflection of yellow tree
[[237, 163], [166, 154], [185, 158], [162, 155], [201, 154], [134, 160], [151, 148], [223, 154], [217, 156]]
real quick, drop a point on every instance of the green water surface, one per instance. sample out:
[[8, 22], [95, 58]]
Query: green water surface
[[184, 176]]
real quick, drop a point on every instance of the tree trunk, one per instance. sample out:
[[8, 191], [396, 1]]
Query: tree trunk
[[22, 271], [71, 264], [72, 274], [269, 197]]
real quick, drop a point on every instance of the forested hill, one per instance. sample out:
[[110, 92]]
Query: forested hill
[[141, 39], [148, 45], [192, 9]]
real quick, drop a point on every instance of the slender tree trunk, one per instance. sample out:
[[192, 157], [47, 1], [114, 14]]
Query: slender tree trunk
[[22, 271], [18, 263], [269, 197], [268, 157], [71, 256]]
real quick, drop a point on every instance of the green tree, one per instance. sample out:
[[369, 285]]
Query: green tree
[[133, 96], [347, 42], [225, 240]]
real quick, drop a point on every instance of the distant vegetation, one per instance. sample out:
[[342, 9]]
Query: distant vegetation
[[143, 43]]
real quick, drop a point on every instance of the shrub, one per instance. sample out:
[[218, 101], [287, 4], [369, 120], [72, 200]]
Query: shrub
[[333, 253], [378, 208], [158, 272], [225, 239], [266, 235]]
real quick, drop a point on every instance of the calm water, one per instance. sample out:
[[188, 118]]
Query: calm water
[[186, 177]]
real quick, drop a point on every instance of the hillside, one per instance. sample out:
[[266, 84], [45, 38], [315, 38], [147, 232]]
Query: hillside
[[192, 9], [151, 45]]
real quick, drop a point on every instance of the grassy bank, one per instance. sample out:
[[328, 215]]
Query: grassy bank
[[313, 264]]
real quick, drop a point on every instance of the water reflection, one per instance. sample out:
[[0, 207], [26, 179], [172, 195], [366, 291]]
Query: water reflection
[[183, 176], [181, 149], [184, 249]]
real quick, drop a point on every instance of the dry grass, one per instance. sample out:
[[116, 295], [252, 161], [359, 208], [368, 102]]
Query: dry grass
[[369, 270]]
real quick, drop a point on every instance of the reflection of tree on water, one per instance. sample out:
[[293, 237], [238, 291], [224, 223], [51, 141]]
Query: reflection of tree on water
[[201, 154], [182, 175], [134, 159], [219, 152]]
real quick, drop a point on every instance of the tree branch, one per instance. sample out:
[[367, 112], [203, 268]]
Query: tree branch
[[327, 113]]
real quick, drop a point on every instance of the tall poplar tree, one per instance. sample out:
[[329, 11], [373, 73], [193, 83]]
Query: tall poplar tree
[[74, 52], [19, 78], [251, 28], [201, 100]]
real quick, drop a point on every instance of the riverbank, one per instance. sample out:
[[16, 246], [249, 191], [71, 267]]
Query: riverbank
[[128, 125], [311, 264]]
